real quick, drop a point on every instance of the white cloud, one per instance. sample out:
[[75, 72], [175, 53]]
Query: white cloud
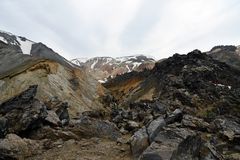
[[80, 28]]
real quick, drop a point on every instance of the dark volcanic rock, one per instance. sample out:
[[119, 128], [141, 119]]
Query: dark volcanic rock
[[228, 127], [62, 113], [3, 127], [194, 148], [23, 112], [188, 149], [90, 127], [42, 51]]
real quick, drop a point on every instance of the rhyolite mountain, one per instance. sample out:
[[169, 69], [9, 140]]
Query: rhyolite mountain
[[185, 107], [39, 65], [104, 68]]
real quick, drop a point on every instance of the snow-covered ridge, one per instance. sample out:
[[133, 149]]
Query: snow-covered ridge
[[24, 44], [104, 68], [133, 61]]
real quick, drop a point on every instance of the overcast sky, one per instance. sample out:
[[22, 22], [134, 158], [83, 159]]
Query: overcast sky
[[87, 28]]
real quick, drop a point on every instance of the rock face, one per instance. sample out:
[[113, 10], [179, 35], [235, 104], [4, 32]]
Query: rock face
[[227, 54], [104, 68], [23, 113], [192, 80], [72, 85]]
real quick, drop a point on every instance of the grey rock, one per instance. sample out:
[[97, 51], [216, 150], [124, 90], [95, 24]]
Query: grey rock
[[165, 143], [42, 51], [90, 127], [194, 122], [62, 113], [13, 147], [155, 127], [176, 116], [227, 126], [139, 142], [52, 118], [193, 148]]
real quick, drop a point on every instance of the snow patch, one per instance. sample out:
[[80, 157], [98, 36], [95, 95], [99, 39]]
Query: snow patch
[[3, 40], [136, 64], [103, 81], [94, 63], [25, 46], [128, 68], [79, 61]]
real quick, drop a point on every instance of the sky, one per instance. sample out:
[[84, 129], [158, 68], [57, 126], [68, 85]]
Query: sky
[[89, 28]]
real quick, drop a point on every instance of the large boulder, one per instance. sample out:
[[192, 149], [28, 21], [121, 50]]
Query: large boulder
[[165, 142], [229, 127], [90, 127], [155, 127], [139, 142], [23, 112], [13, 147], [195, 148]]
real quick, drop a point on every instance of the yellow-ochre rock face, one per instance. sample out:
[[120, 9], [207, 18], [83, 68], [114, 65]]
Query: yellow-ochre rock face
[[73, 85]]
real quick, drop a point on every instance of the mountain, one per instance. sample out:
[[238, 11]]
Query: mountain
[[228, 54], [104, 68], [56, 77], [185, 107], [25, 46], [171, 108]]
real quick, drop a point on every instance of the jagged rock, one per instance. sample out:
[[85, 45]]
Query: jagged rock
[[194, 122], [176, 116], [194, 148], [165, 142], [52, 118], [189, 149], [132, 125], [23, 112], [228, 127], [158, 109], [155, 127], [13, 147], [90, 127], [62, 113], [139, 142]]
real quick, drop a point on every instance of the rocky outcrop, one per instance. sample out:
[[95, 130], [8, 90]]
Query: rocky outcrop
[[191, 113], [23, 112], [54, 82], [54, 75]]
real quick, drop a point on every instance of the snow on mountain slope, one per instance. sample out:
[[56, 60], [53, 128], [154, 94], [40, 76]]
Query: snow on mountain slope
[[79, 61], [19, 42], [104, 68], [25, 46]]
